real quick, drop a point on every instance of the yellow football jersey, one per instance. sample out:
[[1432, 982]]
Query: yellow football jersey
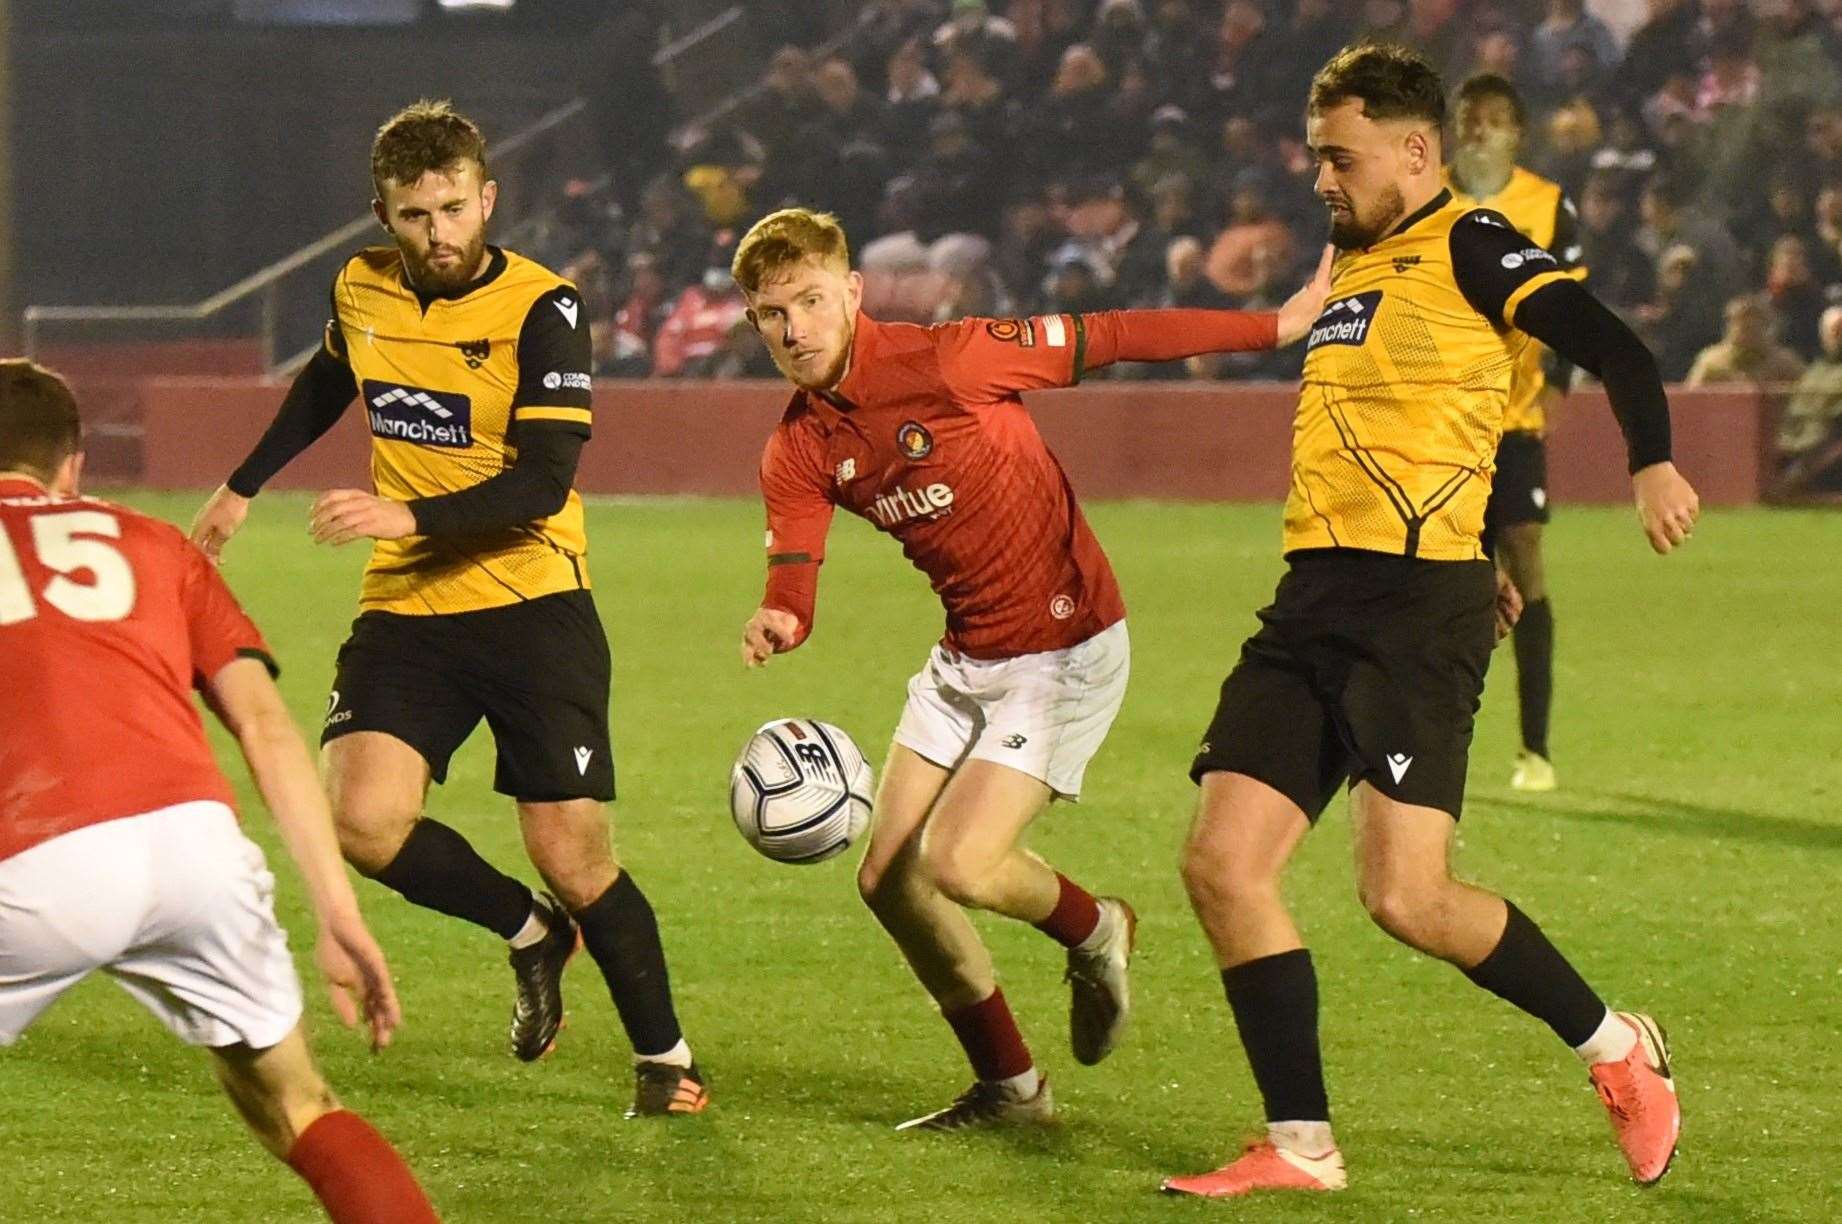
[[444, 381], [1407, 374], [1541, 210]]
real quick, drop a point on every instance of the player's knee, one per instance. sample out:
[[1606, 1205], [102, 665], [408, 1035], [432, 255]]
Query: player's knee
[[371, 830], [1217, 880], [1405, 908], [960, 877]]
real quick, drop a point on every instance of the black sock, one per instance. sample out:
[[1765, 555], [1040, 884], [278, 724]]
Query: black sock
[[437, 869], [622, 935], [1275, 1003], [1534, 636], [1528, 971]]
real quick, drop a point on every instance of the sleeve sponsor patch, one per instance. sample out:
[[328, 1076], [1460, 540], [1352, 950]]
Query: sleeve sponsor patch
[[1011, 331]]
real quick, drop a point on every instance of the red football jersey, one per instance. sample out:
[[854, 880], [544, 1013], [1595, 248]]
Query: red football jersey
[[108, 621], [927, 438]]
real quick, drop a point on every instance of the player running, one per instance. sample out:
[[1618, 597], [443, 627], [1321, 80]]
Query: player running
[[921, 431], [473, 365], [119, 851], [1483, 174], [1368, 665]]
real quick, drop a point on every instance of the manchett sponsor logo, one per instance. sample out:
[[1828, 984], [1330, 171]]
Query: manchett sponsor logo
[[575, 382], [1345, 320], [904, 504], [413, 414]]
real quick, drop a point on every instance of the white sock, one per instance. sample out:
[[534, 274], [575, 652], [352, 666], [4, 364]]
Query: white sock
[[1021, 1087], [1301, 1138], [678, 1056], [1103, 930], [534, 928], [1610, 1042]]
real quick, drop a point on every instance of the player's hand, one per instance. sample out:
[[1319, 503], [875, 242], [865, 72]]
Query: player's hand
[[1303, 308], [218, 519], [770, 631], [1509, 605], [1666, 505], [357, 977], [343, 515]]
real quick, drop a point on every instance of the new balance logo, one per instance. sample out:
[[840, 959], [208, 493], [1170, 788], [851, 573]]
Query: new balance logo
[[415, 414], [582, 756], [847, 471], [568, 308], [1013, 741], [1397, 765]]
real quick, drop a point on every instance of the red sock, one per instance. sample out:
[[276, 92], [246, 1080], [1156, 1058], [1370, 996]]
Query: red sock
[[1075, 915], [356, 1174], [989, 1033]]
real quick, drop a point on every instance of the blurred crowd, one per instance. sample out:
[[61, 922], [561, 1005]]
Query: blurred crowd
[[1022, 156]]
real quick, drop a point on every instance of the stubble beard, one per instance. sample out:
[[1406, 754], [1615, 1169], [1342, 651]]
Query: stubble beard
[[1352, 231]]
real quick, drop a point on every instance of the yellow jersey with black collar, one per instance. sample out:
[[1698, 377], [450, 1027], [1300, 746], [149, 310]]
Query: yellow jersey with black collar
[[1407, 375], [1542, 211], [446, 381]]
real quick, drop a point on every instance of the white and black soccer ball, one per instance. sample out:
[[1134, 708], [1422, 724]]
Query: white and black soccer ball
[[800, 791]]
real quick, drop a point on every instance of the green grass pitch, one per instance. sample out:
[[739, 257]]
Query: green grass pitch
[[1687, 867]]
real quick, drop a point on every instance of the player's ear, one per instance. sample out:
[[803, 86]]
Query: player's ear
[[69, 475], [1419, 150], [853, 292], [489, 195], [753, 322], [377, 210]]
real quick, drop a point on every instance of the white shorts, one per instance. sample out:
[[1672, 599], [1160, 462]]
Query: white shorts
[[1044, 714], [174, 904]]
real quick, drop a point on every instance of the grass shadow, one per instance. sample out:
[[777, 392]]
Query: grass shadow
[[1673, 815]]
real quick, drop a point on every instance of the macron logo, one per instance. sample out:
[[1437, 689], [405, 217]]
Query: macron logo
[[582, 756], [1397, 765], [567, 309]]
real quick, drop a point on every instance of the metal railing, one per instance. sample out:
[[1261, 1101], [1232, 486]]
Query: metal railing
[[265, 284]]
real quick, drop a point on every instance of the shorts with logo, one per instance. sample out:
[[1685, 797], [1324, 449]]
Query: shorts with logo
[[1519, 490], [537, 671], [1044, 714], [175, 904], [1366, 667]]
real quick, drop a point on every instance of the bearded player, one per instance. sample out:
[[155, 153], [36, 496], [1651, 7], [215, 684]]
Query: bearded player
[[1483, 173], [119, 851], [1368, 664], [473, 363], [921, 430]]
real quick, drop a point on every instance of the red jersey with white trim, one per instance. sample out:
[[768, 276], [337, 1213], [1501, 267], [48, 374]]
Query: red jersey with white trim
[[108, 621], [927, 437]]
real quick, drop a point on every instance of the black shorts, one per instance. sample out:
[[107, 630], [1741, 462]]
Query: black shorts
[[1519, 491], [1367, 667], [537, 672]]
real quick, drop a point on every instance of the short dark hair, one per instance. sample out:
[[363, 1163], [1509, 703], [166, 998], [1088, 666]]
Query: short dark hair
[[424, 136], [39, 428], [1391, 82], [1489, 85]]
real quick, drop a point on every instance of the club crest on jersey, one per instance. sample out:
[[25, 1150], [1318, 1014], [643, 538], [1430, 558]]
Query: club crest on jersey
[[403, 413], [1345, 320], [913, 440], [475, 351]]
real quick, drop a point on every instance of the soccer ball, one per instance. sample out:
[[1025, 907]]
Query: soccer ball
[[800, 791]]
